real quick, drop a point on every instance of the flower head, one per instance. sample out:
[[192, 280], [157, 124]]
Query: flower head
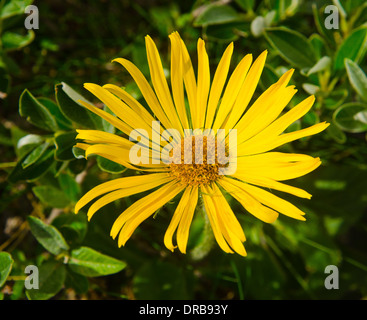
[[186, 147]]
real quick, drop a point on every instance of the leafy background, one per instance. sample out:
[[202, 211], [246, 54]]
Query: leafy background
[[42, 74]]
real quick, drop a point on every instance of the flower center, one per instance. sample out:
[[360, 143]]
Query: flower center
[[196, 160]]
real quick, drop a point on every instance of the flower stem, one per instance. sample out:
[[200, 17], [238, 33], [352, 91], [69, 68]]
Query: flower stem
[[205, 244]]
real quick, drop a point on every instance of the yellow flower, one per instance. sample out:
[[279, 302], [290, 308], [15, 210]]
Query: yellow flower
[[215, 104]]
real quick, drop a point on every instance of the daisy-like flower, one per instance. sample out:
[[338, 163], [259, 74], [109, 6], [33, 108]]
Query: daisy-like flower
[[197, 102]]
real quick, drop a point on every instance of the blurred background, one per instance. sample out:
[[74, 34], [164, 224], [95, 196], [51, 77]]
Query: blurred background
[[41, 178]]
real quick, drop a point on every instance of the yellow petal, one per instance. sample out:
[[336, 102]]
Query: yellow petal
[[160, 83], [148, 184], [108, 117], [227, 214], [232, 90], [96, 136], [130, 101], [189, 80], [118, 107], [247, 90], [248, 202], [266, 108], [203, 85], [271, 157], [146, 91], [177, 79], [219, 80], [272, 201], [255, 146], [280, 171], [272, 184], [279, 125], [131, 218], [212, 214], [185, 222], [177, 216], [120, 155], [225, 223], [121, 183]]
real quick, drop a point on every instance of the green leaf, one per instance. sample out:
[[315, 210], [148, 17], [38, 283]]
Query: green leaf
[[62, 121], [310, 118], [109, 166], [76, 281], [51, 196], [78, 153], [64, 143], [310, 88], [268, 77], [36, 113], [14, 41], [351, 117], [91, 263], [28, 143], [48, 236], [357, 78], [77, 166], [160, 281], [226, 32], [35, 154], [258, 26], [6, 263], [336, 98], [320, 65], [33, 171], [51, 280], [247, 5], [72, 226], [14, 7], [67, 100], [216, 14], [335, 133], [292, 46], [319, 45], [69, 186], [4, 83], [353, 47], [319, 18], [108, 127]]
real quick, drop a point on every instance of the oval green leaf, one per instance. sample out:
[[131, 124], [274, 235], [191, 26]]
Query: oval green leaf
[[109, 166], [34, 171], [36, 113], [353, 47], [216, 14], [6, 263], [14, 41], [91, 263], [64, 143], [48, 236], [351, 117], [357, 78], [67, 100], [51, 196], [52, 276], [292, 46]]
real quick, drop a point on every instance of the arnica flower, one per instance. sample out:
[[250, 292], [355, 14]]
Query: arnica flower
[[195, 101]]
